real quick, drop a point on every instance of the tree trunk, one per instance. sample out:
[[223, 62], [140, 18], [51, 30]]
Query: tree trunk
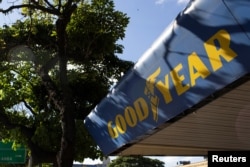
[[39, 156], [66, 153]]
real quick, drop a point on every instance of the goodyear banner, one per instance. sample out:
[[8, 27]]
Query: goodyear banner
[[206, 48]]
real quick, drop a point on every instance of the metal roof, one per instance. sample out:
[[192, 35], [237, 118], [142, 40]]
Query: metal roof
[[221, 122]]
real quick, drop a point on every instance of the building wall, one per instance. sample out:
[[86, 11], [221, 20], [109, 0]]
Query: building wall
[[197, 164]]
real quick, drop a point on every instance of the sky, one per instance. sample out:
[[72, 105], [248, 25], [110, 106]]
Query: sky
[[148, 19]]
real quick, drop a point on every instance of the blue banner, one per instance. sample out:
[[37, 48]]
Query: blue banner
[[205, 48]]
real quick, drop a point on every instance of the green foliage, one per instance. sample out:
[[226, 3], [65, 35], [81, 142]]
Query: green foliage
[[99, 26], [86, 144], [25, 103], [135, 161], [30, 45]]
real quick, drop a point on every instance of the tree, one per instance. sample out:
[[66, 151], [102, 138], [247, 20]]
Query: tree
[[136, 161], [56, 65]]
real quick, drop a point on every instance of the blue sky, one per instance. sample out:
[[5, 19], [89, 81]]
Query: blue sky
[[148, 19]]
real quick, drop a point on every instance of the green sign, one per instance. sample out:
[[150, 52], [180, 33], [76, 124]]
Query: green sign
[[11, 156]]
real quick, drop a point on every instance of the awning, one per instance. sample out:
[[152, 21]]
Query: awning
[[180, 98]]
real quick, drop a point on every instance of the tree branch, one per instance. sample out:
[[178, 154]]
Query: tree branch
[[28, 107], [38, 7], [49, 4], [59, 4], [50, 86], [4, 119], [49, 64]]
